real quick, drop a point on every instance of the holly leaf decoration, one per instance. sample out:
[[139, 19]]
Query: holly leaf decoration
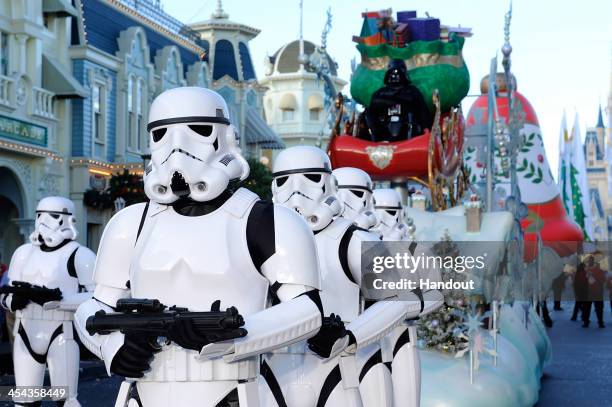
[[538, 178], [536, 223]]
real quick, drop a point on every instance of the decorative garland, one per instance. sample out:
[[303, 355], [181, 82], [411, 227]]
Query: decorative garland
[[122, 185]]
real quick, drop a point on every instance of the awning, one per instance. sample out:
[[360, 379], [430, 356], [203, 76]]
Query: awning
[[287, 102], [61, 8], [258, 132], [315, 102], [59, 81]]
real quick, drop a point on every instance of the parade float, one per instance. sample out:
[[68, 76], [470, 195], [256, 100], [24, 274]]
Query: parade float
[[489, 348]]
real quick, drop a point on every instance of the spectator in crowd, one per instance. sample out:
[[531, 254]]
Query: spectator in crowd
[[609, 284], [558, 285], [581, 290], [3, 313], [596, 278]]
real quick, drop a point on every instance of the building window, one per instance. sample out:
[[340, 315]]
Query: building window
[[225, 61], [139, 110], [99, 116], [287, 115], [130, 116], [4, 51], [247, 66], [94, 233], [314, 114]]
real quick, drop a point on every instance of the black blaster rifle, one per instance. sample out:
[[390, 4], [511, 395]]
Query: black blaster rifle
[[153, 319], [34, 293]]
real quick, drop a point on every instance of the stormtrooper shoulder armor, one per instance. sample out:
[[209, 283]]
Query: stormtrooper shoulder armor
[[18, 260], [117, 245], [84, 262], [293, 261]]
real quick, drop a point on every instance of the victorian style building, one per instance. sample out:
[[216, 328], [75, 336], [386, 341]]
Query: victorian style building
[[77, 78], [294, 103], [227, 49], [597, 153], [37, 90]]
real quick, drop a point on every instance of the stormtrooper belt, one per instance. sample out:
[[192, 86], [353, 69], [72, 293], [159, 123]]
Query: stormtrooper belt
[[175, 364]]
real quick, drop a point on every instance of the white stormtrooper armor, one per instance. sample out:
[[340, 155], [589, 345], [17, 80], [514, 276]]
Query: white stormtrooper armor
[[400, 348], [196, 243], [356, 376], [390, 215], [43, 332], [355, 192]]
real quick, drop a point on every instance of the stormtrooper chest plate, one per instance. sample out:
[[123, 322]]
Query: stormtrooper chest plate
[[338, 293], [193, 261], [50, 269]]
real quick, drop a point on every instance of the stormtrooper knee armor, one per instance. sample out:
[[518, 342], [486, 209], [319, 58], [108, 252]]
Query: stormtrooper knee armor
[[329, 375], [195, 244], [43, 329]]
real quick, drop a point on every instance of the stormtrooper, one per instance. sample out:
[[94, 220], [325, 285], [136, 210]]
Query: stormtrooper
[[305, 374], [51, 275], [400, 348], [196, 243], [355, 193]]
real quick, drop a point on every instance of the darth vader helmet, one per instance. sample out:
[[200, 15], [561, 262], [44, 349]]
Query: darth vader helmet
[[397, 74]]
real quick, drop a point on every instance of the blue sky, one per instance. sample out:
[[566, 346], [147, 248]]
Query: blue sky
[[562, 49]]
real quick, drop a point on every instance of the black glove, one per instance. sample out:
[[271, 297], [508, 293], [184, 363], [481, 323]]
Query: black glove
[[187, 336], [331, 330], [19, 302], [44, 294], [134, 358]]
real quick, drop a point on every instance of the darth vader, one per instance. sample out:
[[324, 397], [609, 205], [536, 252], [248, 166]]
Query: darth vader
[[397, 110]]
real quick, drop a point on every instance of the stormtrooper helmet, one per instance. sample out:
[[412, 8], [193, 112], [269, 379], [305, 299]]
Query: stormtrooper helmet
[[54, 222], [194, 151], [355, 193], [303, 181], [389, 210]]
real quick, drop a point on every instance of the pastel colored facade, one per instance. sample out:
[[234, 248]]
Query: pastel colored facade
[[295, 100], [123, 53], [233, 75], [76, 82], [36, 95]]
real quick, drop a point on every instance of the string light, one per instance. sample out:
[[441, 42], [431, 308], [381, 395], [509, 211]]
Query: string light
[[31, 150], [107, 169]]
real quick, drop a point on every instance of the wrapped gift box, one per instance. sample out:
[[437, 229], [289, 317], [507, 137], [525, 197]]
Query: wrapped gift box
[[375, 39], [424, 29], [402, 34], [377, 14], [369, 26], [404, 16]]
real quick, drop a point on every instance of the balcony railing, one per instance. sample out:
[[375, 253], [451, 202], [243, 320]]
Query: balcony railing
[[42, 103], [6, 89]]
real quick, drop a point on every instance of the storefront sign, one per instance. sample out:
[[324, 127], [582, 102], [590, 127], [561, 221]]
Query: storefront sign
[[22, 131]]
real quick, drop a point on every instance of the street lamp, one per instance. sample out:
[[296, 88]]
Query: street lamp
[[119, 204], [146, 159]]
